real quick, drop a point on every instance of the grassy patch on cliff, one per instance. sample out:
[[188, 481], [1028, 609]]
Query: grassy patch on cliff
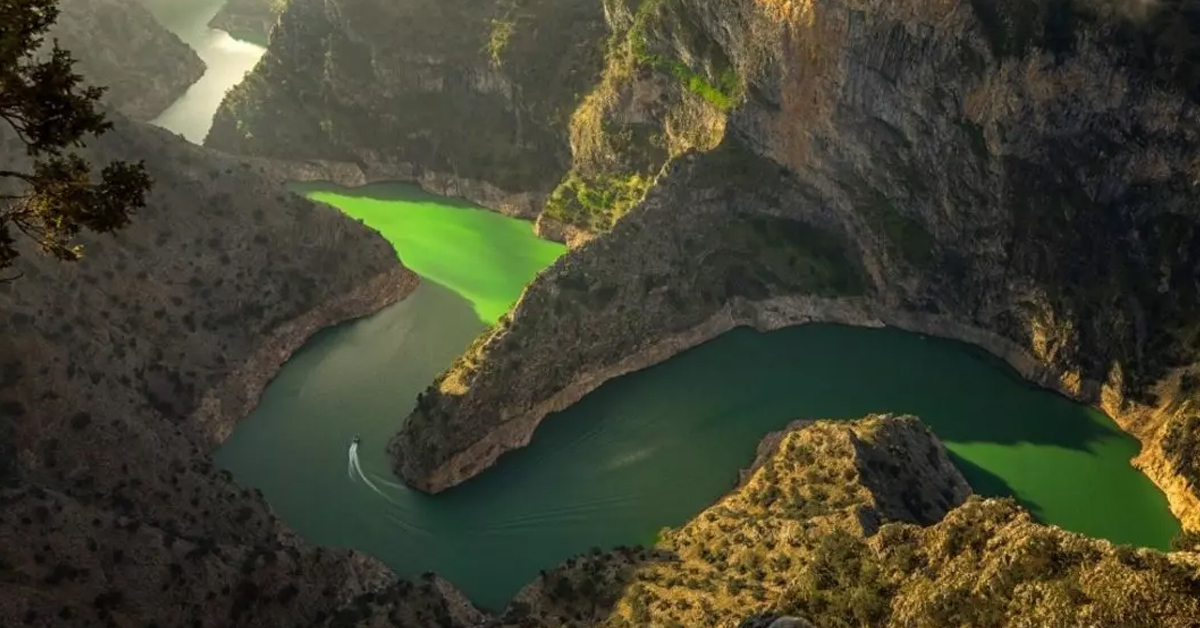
[[596, 202], [673, 29], [666, 89]]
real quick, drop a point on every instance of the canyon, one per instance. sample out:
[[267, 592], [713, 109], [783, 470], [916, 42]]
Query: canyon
[[962, 170], [1018, 175]]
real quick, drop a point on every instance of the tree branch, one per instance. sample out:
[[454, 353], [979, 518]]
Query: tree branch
[[24, 176]]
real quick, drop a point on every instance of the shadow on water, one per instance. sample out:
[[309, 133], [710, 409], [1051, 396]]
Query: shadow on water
[[988, 484], [644, 451], [653, 448]]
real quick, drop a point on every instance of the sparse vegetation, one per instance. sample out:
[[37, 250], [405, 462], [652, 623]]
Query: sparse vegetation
[[802, 551], [501, 34], [596, 202], [904, 235], [722, 91]]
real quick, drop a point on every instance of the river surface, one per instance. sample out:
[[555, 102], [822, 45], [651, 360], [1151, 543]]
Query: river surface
[[648, 450], [228, 61]]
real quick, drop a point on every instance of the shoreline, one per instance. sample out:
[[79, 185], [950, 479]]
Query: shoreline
[[1141, 423], [222, 407], [522, 205]]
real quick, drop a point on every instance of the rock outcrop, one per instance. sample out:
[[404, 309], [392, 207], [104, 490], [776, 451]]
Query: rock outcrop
[[120, 45], [475, 94], [864, 524], [120, 373], [249, 20], [1020, 175]]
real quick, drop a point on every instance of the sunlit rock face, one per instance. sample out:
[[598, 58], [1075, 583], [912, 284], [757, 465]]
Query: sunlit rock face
[[863, 523]]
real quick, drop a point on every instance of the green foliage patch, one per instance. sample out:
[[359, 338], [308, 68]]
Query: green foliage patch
[[597, 200], [722, 91]]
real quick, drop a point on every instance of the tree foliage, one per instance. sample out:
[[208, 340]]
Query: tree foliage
[[50, 111]]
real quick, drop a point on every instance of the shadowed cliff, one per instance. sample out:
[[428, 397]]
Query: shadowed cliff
[[468, 98]]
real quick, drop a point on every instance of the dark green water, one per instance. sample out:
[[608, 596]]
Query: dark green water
[[648, 450]]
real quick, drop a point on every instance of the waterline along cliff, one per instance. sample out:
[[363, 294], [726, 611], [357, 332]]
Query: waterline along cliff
[[958, 169], [963, 169]]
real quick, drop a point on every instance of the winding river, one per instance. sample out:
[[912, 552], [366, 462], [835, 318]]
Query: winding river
[[648, 450], [644, 451], [228, 61]]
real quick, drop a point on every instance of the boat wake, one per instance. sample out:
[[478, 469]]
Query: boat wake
[[354, 469]]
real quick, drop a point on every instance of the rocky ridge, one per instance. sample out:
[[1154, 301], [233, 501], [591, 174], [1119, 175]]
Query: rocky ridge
[[945, 168], [120, 45], [864, 523], [120, 373]]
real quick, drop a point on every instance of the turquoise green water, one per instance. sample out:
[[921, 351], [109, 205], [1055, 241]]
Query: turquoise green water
[[483, 256], [644, 451]]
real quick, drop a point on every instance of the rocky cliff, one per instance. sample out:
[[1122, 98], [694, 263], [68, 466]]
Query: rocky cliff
[[119, 44], [1020, 175], [864, 524], [249, 20], [120, 373], [478, 94]]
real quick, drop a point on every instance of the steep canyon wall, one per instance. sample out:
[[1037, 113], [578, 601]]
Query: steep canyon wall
[[1022, 177]]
